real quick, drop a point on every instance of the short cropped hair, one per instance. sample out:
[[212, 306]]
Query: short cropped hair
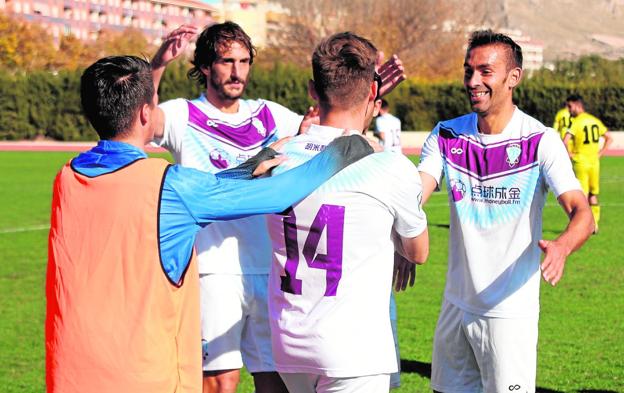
[[343, 67], [384, 104], [112, 90], [213, 39], [488, 37], [575, 98]]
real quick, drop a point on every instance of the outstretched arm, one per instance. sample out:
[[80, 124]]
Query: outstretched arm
[[580, 227]]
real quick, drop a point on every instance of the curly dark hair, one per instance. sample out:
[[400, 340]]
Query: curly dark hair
[[213, 39]]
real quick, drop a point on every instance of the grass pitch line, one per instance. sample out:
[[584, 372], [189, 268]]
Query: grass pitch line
[[24, 229]]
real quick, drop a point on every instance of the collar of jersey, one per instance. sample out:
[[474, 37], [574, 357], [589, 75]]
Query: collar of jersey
[[316, 129], [106, 157], [514, 123]]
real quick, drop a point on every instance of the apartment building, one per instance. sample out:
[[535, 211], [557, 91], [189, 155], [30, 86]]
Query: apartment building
[[86, 18]]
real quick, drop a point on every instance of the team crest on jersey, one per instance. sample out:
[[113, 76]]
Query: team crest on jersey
[[218, 159], [513, 151], [259, 126], [458, 189]]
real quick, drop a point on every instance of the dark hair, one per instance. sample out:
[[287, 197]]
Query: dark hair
[[488, 37], [575, 98], [213, 39], [111, 92], [343, 66], [384, 104]]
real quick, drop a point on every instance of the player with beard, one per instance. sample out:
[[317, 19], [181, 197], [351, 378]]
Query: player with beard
[[213, 132]]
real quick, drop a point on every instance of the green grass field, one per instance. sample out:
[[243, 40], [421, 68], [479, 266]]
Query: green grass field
[[581, 342]]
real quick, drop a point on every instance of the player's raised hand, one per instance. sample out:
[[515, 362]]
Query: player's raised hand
[[174, 45], [311, 117], [392, 73], [404, 273], [554, 261]]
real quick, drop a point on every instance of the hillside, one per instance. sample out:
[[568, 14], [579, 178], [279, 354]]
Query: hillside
[[568, 28]]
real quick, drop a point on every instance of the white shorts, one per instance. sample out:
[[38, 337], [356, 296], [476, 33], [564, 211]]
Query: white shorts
[[234, 322], [314, 383], [472, 353]]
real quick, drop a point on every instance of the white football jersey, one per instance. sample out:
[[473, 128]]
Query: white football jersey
[[391, 127], [200, 136], [497, 186], [333, 263]]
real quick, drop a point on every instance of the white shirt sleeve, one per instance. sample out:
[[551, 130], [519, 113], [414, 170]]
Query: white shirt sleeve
[[406, 196], [176, 117], [287, 121], [555, 164], [431, 161]]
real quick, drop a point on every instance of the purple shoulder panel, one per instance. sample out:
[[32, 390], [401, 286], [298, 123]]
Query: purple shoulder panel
[[253, 131], [486, 161]]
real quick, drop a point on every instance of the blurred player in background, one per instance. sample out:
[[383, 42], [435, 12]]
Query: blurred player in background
[[583, 143], [388, 129], [333, 252], [213, 132], [499, 164], [562, 121]]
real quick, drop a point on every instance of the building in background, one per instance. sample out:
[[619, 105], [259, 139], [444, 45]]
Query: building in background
[[86, 18], [259, 18], [532, 50]]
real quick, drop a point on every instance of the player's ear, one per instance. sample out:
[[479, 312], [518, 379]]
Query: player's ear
[[514, 77], [376, 108], [312, 90], [145, 113], [205, 70]]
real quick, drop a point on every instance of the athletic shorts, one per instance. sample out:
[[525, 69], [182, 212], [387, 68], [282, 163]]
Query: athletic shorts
[[234, 322], [588, 175], [472, 353], [314, 383]]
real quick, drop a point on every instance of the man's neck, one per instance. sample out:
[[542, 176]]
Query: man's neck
[[345, 120], [134, 140], [224, 105], [493, 123]]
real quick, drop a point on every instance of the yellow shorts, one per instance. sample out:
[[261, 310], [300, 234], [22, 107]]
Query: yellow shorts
[[588, 174]]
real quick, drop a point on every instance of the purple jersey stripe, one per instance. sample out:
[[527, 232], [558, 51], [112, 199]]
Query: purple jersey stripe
[[492, 177], [487, 161], [260, 127]]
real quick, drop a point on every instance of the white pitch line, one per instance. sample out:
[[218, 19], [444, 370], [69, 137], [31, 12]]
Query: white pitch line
[[24, 229]]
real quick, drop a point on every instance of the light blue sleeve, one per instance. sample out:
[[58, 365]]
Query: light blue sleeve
[[191, 199]]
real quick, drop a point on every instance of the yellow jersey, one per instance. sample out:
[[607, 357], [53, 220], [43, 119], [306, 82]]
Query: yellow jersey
[[586, 131], [562, 122]]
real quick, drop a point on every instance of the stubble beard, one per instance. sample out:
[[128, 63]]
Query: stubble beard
[[223, 93]]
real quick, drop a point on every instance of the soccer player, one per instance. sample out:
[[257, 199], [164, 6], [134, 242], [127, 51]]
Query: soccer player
[[333, 252], [583, 143], [122, 312], [213, 132], [388, 129], [498, 163], [562, 121]]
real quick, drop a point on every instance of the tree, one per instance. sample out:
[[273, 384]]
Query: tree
[[428, 35], [24, 46]]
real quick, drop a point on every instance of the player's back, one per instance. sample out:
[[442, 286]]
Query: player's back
[[332, 266], [586, 130]]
